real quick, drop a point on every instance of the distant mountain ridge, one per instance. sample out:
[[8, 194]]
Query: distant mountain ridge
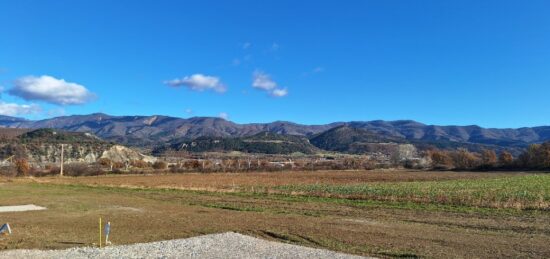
[[152, 130], [263, 142], [349, 139]]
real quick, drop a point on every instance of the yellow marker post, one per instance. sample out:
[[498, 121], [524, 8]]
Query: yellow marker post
[[99, 232]]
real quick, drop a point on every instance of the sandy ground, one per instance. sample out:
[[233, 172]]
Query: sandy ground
[[20, 208]]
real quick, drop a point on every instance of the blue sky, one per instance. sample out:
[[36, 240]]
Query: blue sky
[[437, 62]]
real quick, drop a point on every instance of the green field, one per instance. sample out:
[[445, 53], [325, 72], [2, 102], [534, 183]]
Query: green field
[[521, 192]]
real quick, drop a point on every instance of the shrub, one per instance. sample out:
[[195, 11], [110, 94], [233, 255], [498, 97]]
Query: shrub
[[505, 159], [537, 156], [440, 159], [160, 165], [192, 164], [368, 164], [82, 169], [22, 166], [139, 164], [463, 159], [488, 158], [104, 162], [118, 165], [9, 171]]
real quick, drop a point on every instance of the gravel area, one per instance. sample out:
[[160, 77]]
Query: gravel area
[[18, 208], [224, 245]]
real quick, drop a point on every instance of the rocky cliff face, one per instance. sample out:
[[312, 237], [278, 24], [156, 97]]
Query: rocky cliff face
[[43, 146], [48, 153], [122, 154]]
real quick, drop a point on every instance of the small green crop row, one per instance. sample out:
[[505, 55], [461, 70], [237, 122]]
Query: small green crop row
[[522, 192]]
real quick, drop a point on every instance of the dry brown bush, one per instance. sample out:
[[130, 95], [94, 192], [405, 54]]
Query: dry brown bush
[[106, 162], [440, 159], [139, 164], [118, 165], [488, 158], [160, 165], [22, 166], [463, 159], [505, 159], [82, 169], [9, 171], [537, 156], [192, 164]]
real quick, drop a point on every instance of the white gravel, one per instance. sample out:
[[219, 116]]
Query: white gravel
[[225, 245], [18, 208]]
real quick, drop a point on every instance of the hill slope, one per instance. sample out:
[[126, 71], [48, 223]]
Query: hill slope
[[349, 139], [264, 142], [150, 130], [43, 146]]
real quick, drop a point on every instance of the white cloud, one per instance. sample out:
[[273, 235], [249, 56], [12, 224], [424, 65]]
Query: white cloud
[[275, 46], [14, 109], [263, 81], [247, 45], [199, 82], [52, 90], [223, 115], [189, 111], [279, 92], [318, 70]]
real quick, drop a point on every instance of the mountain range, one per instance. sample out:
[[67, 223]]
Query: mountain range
[[263, 143], [158, 129]]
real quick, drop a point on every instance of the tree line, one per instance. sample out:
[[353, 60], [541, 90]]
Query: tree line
[[535, 157]]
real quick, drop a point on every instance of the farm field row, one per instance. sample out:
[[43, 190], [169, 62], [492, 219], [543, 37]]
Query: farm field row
[[323, 210]]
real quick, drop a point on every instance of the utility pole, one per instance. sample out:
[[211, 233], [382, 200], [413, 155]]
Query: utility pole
[[61, 166]]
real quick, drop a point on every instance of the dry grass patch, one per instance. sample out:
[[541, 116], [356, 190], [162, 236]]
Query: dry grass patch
[[230, 181]]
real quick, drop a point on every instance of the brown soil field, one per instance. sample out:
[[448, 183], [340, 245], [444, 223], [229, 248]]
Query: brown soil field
[[230, 181]]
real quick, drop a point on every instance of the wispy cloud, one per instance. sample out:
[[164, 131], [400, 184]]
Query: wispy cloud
[[223, 115], [188, 111], [279, 92], [199, 82], [246, 45], [263, 81], [52, 90], [14, 109]]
